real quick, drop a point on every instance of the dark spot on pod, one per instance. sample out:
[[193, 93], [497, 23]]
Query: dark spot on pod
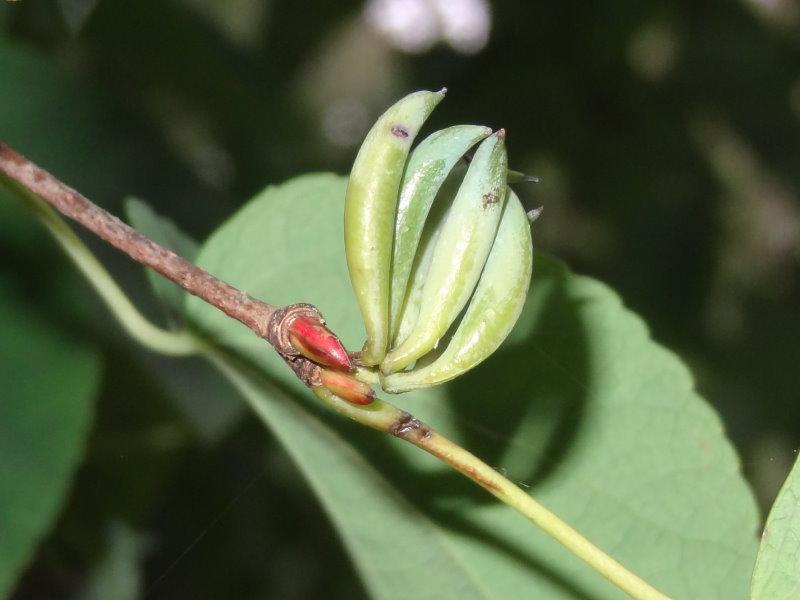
[[490, 198], [399, 131]]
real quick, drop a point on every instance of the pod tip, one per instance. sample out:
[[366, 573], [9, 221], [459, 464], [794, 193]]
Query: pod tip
[[535, 214], [442, 91], [517, 177], [501, 134]]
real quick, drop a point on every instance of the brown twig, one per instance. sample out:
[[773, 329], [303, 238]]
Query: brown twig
[[235, 303], [318, 345]]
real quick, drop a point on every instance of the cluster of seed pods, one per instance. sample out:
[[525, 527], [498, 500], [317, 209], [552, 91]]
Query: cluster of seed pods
[[429, 239]]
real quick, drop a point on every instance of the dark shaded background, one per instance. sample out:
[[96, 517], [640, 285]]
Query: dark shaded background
[[665, 135]]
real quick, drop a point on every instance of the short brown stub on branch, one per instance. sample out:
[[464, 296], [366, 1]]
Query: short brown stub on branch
[[409, 428]]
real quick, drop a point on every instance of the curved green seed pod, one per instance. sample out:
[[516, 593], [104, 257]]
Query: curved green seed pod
[[409, 310], [369, 212], [493, 310], [408, 313], [427, 168], [407, 318], [460, 254]]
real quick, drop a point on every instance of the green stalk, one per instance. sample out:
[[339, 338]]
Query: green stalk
[[163, 341], [386, 417]]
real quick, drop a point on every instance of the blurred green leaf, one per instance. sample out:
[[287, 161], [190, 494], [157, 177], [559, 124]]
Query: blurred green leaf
[[202, 395], [45, 413], [166, 233], [72, 126], [62, 124], [77, 12], [579, 404], [58, 121], [204, 398], [120, 573], [28, 121], [777, 572]]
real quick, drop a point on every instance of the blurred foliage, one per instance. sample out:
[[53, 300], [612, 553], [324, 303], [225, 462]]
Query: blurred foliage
[[665, 135], [48, 386]]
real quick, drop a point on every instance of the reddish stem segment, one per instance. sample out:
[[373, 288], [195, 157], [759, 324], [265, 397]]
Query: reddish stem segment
[[346, 387]]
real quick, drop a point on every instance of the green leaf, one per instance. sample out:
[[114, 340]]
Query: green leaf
[[579, 404], [165, 232], [359, 500], [48, 382], [60, 122], [47, 117], [120, 573], [777, 572], [73, 128], [207, 401]]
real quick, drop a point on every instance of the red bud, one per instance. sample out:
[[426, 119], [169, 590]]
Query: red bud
[[347, 387], [316, 342]]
